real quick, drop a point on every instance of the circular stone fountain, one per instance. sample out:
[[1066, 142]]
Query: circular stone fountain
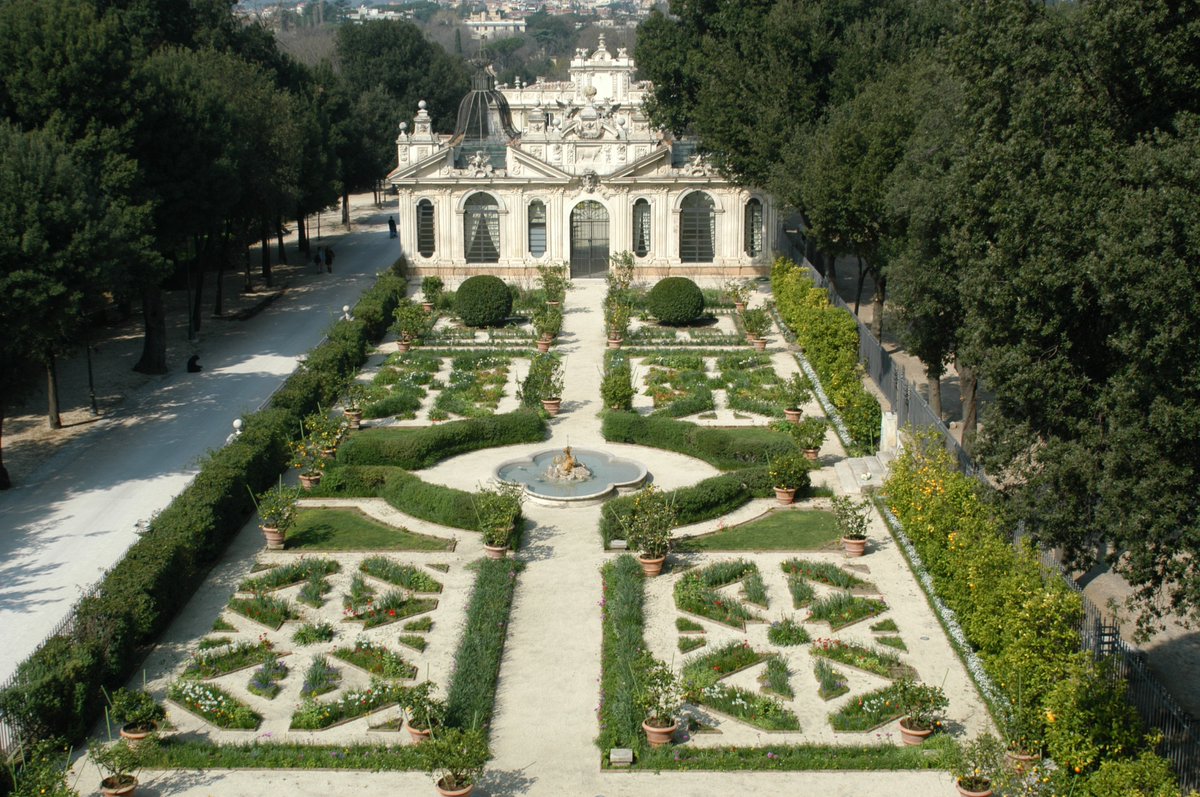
[[571, 477]]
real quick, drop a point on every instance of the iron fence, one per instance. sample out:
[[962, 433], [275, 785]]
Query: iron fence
[[1098, 633]]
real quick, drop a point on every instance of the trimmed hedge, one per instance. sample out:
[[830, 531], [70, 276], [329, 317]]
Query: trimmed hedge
[[58, 690], [622, 655], [483, 301], [829, 337], [702, 501], [675, 301], [414, 449], [445, 506], [727, 449]]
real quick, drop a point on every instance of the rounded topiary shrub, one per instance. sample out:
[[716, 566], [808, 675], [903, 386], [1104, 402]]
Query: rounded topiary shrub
[[483, 301], [676, 301]]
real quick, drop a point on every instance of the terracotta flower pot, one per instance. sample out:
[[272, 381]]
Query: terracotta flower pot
[[495, 551], [785, 495], [543, 345], [739, 306], [913, 736], [1022, 762], [812, 453], [418, 734], [403, 345], [309, 480], [651, 567], [792, 415], [118, 785], [135, 734], [760, 344], [615, 343], [354, 418], [274, 538], [427, 306], [659, 737], [965, 792], [552, 405], [854, 548], [463, 792]]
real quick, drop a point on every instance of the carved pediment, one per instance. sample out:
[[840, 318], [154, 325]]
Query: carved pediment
[[650, 165], [437, 163]]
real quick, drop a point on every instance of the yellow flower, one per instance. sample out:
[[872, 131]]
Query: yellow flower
[[1050, 717]]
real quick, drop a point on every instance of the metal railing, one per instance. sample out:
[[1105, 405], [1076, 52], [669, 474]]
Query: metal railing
[[1098, 633]]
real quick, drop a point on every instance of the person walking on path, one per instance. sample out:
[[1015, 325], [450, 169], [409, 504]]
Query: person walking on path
[[317, 259], [392, 226], [328, 259]]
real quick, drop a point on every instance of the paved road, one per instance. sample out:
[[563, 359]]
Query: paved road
[[75, 517]]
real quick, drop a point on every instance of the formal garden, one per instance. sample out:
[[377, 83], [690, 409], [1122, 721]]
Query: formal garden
[[747, 609]]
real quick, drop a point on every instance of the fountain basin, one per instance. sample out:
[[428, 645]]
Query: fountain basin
[[609, 475]]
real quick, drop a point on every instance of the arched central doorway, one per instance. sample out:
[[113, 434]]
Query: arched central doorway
[[589, 240]]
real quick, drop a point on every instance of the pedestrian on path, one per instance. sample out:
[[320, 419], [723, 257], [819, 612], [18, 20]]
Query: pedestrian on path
[[328, 259], [392, 226], [317, 259]]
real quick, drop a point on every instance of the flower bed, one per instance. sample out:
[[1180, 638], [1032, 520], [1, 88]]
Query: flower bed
[[830, 682], [214, 705], [801, 591], [867, 712], [222, 661], [376, 659], [320, 678], [313, 715], [401, 575], [266, 609], [393, 606], [823, 573], [265, 680], [842, 609], [873, 660], [787, 632], [313, 633], [777, 678], [286, 575], [760, 711], [696, 592], [687, 644], [722, 662], [622, 647]]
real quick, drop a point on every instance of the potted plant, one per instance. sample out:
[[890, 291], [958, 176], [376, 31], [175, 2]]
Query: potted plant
[[136, 712], [648, 528], [797, 391], [553, 279], [659, 697], [975, 764], [809, 434], [544, 384], [547, 322], [276, 513], [43, 772], [431, 289], [616, 389], [922, 706], [308, 454], [788, 472], [1024, 731], [455, 758], [409, 323], [739, 292], [425, 712], [356, 394], [757, 322], [850, 518], [325, 430], [498, 509], [619, 314], [119, 761]]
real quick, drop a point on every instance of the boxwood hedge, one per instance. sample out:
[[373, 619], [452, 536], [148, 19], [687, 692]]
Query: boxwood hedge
[[414, 449], [727, 449]]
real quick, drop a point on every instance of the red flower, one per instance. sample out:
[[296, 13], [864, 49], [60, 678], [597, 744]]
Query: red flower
[[392, 612]]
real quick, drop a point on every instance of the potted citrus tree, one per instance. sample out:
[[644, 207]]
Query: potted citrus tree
[[544, 384], [356, 394], [43, 772], [809, 434], [455, 759], [851, 521], [308, 455], [757, 322], [425, 712], [789, 473], [739, 293], [975, 765], [276, 513], [119, 763], [648, 528], [136, 712], [659, 696], [431, 289], [547, 323], [922, 705], [409, 324], [797, 391], [498, 509], [619, 314]]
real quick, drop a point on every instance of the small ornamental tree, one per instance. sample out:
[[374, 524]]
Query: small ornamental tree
[[675, 301]]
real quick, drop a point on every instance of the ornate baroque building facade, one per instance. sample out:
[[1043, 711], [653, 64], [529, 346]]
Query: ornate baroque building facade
[[571, 171]]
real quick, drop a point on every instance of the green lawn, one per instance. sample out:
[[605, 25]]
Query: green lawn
[[351, 530], [781, 530]]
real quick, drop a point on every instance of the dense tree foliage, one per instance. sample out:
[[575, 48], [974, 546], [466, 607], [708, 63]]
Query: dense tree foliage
[[1026, 191]]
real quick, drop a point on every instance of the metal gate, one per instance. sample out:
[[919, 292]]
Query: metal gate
[[589, 240]]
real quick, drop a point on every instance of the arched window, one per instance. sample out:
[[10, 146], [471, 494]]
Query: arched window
[[697, 229], [425, 236], [641, 228], [537, 228], [481, 229], [754, 228]]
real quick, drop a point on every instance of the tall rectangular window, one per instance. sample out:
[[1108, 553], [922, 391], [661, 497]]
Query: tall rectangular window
[[537, 228], [425, 230], [754, 228], [641, 228]]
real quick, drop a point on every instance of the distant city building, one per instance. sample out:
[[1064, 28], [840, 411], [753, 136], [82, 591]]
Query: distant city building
[[488, 26], [571, 171]]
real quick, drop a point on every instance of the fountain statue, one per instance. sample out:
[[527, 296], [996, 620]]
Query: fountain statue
[[566, 468]]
